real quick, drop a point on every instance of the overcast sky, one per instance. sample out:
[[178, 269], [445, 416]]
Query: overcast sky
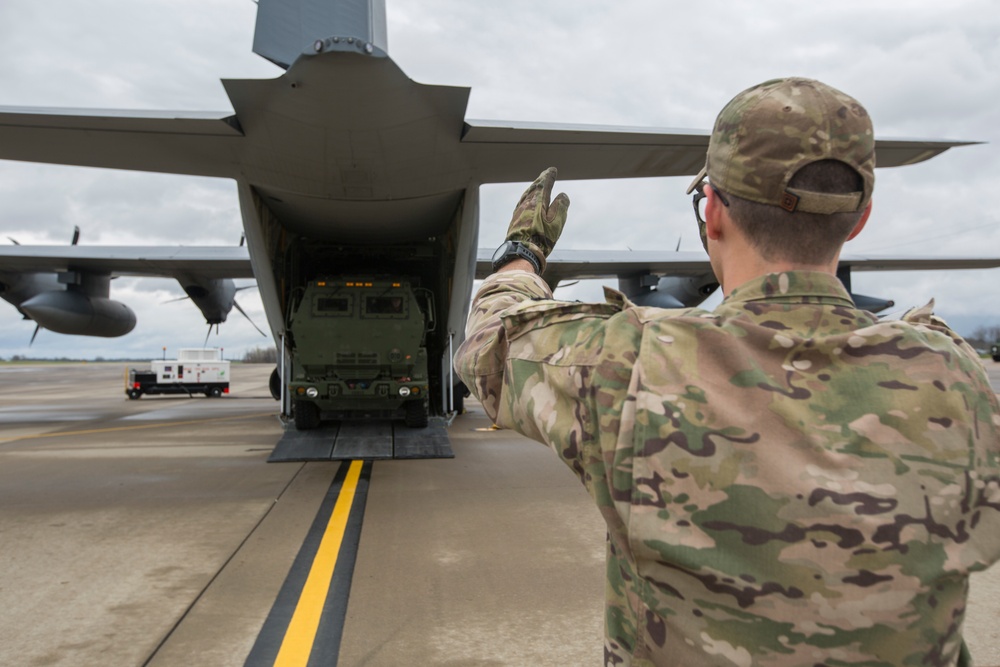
[[924, 69]]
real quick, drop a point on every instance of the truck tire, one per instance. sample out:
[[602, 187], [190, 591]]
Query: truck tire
[[306, 415], [214, 392], [416, 414], [996, 357], [134, 394]]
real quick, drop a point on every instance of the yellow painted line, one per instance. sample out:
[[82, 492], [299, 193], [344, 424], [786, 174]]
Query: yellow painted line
[[133, 428], [301, 632]]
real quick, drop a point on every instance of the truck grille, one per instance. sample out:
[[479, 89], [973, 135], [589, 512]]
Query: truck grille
[[356, 373]]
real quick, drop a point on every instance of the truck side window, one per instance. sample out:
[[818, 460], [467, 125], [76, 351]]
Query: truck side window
[[392, 306], [332, 306]]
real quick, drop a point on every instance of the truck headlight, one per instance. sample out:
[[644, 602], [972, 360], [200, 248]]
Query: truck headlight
[[404, 391], [312, 392]]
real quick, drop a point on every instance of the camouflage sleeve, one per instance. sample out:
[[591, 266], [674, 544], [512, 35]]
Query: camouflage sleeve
[[555, 371], [530, 359], [480, 360]]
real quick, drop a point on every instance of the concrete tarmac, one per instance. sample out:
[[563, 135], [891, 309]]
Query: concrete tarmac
[[153, 532]]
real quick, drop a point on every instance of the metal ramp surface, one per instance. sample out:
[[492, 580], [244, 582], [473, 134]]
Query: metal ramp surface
[[369, 440]]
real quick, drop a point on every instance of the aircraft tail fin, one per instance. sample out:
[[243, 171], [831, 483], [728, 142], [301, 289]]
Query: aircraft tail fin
[[287, 28]]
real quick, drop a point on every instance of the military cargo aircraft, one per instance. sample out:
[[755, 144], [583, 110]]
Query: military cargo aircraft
[[356, 185]]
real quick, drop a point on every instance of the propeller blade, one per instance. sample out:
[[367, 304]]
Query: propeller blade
[[244, 314], [181, 298], [243, 239], [38, 327], [205, 344], [13, 240], [76, 235]]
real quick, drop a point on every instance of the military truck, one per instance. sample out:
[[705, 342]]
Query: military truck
[[995, 351], [360, 351]]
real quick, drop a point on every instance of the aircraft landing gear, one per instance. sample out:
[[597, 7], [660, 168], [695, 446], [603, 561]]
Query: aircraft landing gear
[[274, 384]]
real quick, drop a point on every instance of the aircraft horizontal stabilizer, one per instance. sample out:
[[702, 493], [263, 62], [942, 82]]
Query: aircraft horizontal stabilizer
[[509, 151], [169, 142]]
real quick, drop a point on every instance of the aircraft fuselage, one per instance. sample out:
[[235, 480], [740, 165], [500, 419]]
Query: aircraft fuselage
[[334, 184]]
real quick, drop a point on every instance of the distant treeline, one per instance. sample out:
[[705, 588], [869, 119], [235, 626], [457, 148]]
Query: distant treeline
[[261, 355], [257, 355], [983, 337]]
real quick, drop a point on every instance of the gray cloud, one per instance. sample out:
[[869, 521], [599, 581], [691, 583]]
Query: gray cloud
[[923, 69]]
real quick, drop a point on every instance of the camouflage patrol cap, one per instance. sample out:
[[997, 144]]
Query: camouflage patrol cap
[[770, 131]]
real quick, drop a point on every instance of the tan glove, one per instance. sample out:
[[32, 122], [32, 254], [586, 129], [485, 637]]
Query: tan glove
[[537, 223]]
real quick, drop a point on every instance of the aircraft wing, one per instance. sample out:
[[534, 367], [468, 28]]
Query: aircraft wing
[[901, 263], [565, 265], [503, 151], [181, 142], [206, 262]]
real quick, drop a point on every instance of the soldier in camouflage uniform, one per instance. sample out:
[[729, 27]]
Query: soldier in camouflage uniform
[[786, 479]]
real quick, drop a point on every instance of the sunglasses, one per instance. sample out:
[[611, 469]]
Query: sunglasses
[[696, 200]]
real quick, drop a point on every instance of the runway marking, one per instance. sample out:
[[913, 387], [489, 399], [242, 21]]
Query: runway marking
[[301, 633], [133, 428], [305, 624]]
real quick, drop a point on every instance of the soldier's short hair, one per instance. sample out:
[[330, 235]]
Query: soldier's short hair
[[800, 236]]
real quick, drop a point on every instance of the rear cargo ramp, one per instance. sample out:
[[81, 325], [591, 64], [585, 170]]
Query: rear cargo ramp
[[369, 440]]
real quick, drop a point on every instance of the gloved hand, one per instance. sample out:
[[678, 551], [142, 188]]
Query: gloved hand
[[537, 223]]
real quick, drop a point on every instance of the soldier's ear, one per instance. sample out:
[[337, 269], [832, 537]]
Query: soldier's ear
[[861, 223], [714, 209]]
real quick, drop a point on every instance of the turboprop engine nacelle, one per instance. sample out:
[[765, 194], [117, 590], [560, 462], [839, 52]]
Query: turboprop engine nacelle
[[214, 297], [77, 314], [670, 292]]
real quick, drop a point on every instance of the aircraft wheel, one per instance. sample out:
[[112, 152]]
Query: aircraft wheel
[[460, 392], [214, 392], [416, 414], [306, 415], [133, 394], [274, 384]]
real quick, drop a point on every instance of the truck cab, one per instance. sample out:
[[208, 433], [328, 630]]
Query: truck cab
[[360, 351]]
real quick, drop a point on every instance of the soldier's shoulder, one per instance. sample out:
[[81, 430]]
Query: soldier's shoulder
[[616, 315], [540, 313], [933, 331], [923, 319], [924, 315]]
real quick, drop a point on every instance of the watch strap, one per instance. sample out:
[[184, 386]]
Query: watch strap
[[517, 250]]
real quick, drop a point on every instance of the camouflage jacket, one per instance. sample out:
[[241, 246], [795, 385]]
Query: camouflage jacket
[[786, 480]]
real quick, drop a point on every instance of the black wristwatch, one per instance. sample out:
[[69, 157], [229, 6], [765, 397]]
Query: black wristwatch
[[511, 250]]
